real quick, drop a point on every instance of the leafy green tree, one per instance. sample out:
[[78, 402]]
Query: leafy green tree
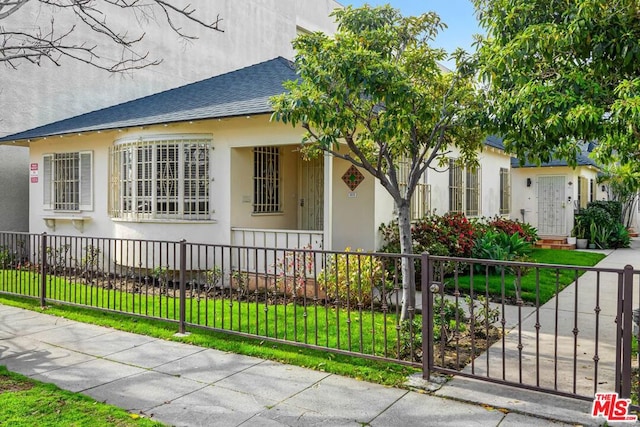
[[374, 94], [623, 184], [560, 72]]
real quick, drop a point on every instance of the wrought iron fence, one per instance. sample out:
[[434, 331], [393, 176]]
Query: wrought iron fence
[[554, 328]]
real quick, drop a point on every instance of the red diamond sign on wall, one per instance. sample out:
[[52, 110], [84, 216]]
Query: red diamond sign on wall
[[352, 177]]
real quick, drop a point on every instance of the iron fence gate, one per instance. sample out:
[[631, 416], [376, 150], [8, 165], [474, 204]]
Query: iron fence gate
[[576, 343]]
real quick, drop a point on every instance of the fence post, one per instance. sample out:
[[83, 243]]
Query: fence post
[[43, 269], [183, 285], [427, 316], [627, 318]]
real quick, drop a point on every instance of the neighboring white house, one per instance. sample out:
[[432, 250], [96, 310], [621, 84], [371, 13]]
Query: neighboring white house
[[547, 196]]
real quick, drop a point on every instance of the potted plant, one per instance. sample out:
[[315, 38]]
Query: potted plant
[[581, 232]]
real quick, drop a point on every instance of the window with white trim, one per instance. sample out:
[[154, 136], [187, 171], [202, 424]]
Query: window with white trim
[[464, 189], [505, 192], [67, 181], [266, 180], [161, 178], [421, 198], [455, 187]]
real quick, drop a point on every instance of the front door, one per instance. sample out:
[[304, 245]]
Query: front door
[[311, 191], [551, 206]]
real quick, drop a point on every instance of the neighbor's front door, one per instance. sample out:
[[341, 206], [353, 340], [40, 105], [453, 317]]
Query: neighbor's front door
[[551, 206]]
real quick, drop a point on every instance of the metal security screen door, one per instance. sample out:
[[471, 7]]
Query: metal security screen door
[[551, 206], [311, 207]]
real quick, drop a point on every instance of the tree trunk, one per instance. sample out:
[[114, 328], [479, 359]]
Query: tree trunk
[[408, 268]]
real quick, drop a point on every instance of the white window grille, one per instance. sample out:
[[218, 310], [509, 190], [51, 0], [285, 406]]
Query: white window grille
[[161, 179], [67, 181], [266, 180], [456, 187], [421, 198], [505, 191]]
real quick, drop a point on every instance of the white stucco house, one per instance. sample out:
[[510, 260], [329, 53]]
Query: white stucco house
[[32, 96], [547, 196], [203, 162]]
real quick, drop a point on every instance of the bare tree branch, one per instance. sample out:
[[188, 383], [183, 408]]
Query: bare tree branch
[[54, 44]]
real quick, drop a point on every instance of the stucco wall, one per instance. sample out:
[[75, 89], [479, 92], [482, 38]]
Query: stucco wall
[[227, 135], [353, 212], [14, 188], [491, 160], [526, 198]]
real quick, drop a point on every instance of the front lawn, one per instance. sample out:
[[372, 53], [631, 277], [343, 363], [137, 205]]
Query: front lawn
[[551, 280]]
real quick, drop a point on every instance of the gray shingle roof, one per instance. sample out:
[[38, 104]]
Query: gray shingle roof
[[495, 142], [238, 93], [583, 159]]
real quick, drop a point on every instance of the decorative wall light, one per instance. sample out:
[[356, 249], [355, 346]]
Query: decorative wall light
[[604, 188], [528, 182]]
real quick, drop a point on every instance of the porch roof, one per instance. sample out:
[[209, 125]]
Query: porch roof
[[238, 93]]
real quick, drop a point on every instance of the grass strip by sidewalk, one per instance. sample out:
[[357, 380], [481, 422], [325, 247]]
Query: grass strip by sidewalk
[[385, 373], [25, 402]]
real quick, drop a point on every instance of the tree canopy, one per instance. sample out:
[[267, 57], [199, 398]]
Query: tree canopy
[[374, 94], [67, 37], [560, 72]]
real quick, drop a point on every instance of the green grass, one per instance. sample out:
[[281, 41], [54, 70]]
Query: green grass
[[386, 373], [25, 402], [551, 281], [366, 332]]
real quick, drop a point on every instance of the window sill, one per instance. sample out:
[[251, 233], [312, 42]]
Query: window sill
[[165, 220], [76, 220]]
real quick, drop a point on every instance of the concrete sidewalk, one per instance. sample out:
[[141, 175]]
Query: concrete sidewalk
[[181, 384]]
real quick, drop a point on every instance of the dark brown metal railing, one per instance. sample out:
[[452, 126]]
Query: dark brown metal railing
[[566, 330]]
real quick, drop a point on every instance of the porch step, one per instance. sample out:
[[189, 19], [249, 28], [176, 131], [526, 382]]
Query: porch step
[[554, 243]]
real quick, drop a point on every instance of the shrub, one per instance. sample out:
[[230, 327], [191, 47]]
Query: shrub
[[500, 246], [448, 319], [619, 237], [350, 278], [293, 269], [432, 233], [510, 226], [7, 258], [592, 215], [612, 207]]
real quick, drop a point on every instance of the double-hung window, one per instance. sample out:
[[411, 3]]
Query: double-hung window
[[464, 189], [161, 178], [421, 198], [67, 181]]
